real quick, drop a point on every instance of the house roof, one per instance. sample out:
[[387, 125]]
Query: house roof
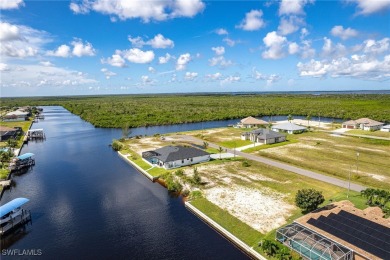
[[266, 133], [174, 153], [364, 231], [364, 121], [253, 121], [289, 127], [18, 113], [6, 129]]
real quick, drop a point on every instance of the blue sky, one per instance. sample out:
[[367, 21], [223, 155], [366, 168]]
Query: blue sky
[[166, 46]]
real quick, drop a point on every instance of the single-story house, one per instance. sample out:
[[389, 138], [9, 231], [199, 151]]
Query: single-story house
[[250, 122], [264, 136], [363, 123], [16, 116], [289, 128], [385, 128], [339, 231], [169, 157], [7, 133]]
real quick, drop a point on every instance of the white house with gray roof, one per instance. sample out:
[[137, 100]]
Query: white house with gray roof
[[170, 157], [289, 128], [264, 136]]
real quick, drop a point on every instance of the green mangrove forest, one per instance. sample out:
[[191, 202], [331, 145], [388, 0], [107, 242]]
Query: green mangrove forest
[[148, 110]]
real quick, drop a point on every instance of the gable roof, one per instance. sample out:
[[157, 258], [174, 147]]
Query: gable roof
[[289, 127], [174, 153], [253, 121]]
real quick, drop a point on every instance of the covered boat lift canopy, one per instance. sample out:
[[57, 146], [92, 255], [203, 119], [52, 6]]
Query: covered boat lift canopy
[[10, 206], [25, 156]]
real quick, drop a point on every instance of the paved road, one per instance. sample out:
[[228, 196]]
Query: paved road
[[280, 165]]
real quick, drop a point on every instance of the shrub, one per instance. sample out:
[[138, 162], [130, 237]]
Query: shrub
[[117, 145], [196, 179], [245, 164], [308, 199], [196, 194], [179, 173]]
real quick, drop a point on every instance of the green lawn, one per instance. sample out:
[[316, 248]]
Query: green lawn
[[25, 125], [157, 171], [230, 223], [4, 173], [323, 153], [235, 143], [290, 140], [369, 133]]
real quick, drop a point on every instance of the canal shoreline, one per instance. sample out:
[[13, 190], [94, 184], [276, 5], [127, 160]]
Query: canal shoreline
[[202, 216]]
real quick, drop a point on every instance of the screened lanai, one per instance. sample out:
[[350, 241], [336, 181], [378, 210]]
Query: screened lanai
[[311, 245]]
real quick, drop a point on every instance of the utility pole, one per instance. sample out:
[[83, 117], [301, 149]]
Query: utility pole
[[357, 163], [349, 180]]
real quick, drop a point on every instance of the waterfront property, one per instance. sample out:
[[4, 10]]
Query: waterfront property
[[22, 161], [339, 231], [289, 128], [264, 136], [12, 215], [7, 133], [250, 122], [169, 157], [366, 124], [17, 115], [385, 128]]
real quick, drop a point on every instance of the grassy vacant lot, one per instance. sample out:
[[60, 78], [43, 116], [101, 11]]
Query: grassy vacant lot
[[336, 156], [146, 110], [369, 133], [229, 137]]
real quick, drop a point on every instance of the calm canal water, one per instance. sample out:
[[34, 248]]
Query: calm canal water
[[87, 203]]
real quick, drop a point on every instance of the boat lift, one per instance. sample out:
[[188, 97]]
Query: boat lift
[[12, 215]]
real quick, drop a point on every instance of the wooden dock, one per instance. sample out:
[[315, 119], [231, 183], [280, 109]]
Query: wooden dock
[[21, 219], [5, 184]]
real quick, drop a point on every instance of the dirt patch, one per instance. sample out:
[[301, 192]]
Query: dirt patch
[[263, 210]]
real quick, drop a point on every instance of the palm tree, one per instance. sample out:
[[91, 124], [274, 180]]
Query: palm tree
[[220, 150], [289, 118], [308, 118], [205, 145], [126, 131]]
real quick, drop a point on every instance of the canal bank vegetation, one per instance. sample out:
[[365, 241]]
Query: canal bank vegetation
[[148, 110]]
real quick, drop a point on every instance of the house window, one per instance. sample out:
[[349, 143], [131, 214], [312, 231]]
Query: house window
[[182, 161], [192, 159]]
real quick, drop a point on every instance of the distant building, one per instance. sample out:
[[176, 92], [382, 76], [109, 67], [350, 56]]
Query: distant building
[[363, 124], [16, 116], [169, 157], [339, 231], [385, 128], [250, 122], [289, 128], [264, 136], [7, 133]]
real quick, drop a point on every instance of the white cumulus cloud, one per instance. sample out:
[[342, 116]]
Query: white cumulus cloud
[[253, 21], [116, 60], [164, 59], [62, 51], [136, 55], [158, 10], [11, 4], [108, 73], [275, 44], [214, 76], [290, 25], [190, 75], [288, 7], [221, 31], [220, 50], [339, 31], [230, 79], [82, 49], [182, 61], [158, 42], [367, 7]]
